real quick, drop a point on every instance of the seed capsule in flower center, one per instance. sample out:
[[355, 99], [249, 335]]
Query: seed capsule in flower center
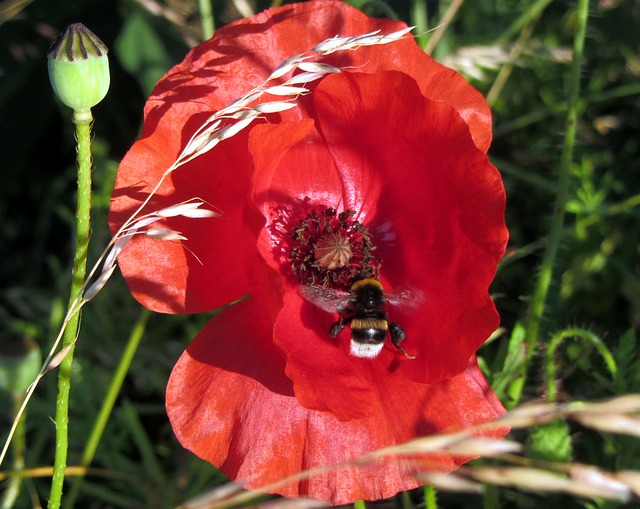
[[333, 251]]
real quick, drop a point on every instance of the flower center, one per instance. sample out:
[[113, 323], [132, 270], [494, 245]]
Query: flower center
[[332, 250]]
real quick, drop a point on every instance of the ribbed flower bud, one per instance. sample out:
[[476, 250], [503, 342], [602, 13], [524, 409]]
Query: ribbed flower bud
[[79, 68]]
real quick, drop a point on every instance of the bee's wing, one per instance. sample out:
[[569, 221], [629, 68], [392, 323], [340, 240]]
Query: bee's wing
[[405, 298], [328, 299]]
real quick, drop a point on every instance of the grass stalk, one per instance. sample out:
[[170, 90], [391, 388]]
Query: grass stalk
[[445, 21], [206, 18], [420, 20], [108, 403], [12, 488], [359, 504], [526, 18], [543, 282], [430, 501]]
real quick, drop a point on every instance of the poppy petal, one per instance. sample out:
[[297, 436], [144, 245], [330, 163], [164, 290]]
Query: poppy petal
[[207, 270], [440, 214], [229, 405]]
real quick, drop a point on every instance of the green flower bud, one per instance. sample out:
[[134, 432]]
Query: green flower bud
[[79, 68]]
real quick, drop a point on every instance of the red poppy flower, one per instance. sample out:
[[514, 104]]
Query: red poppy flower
[[379, 172]]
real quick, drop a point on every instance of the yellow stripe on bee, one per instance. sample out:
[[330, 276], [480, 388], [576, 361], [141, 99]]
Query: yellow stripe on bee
[[365, 282], [368, 323]]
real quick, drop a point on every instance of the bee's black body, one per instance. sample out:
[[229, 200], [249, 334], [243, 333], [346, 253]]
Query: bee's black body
[[369, 322]]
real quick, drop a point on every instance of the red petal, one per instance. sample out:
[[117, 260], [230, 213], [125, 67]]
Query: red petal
[[210, 268], [230, 403], [239, 57], [242, 54], [293, 174], [439, 221]]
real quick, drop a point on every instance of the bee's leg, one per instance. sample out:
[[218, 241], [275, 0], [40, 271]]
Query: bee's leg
[[337, 327], [397, 334]]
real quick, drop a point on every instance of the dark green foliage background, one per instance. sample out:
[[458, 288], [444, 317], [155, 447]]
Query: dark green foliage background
[[597, 275]]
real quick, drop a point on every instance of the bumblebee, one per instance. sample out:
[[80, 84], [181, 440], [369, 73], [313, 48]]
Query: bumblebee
[[362, 308]]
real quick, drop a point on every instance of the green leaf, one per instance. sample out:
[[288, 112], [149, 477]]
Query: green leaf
[[20, 362], [142, 52]]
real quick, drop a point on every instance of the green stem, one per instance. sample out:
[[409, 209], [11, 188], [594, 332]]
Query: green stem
[[557, 339], [206, 18], [83, 222], [490, 498], [623, 207], [359, 504], [18, 445], [541, 114], [405, 499], [543, 282], [108, 403], [531, 14], [502, 77], [430, 501], [445, 22], [420, 20]]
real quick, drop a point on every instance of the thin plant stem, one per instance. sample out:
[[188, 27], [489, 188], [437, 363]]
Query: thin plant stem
[[206, 18], [541, 114], [623, 207], [83, 223], [524, 24], [505, 71], [543, 281], [108, 403], [405, 500], [532, 13], [430, 501], [557, 339], [445, 21], [359, 504], [420, 20], [490, 497], [12, 488]]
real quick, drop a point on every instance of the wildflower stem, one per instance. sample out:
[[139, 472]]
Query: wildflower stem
[[528, 16], [12, 488], [490, 497], [359, 504], [405, 500], [83, 210], [107, 405], [430, 501], [420, 20], [445, 21], [557, 339], [206, 18], [543, 281]]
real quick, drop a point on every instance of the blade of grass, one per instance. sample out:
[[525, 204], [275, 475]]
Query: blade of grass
[[420, 20], [541, 114], [532, 13], [206, 18], [150, 461], [445, 21], [109, 401], [12, 488], [430, 501], [545, 276]]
